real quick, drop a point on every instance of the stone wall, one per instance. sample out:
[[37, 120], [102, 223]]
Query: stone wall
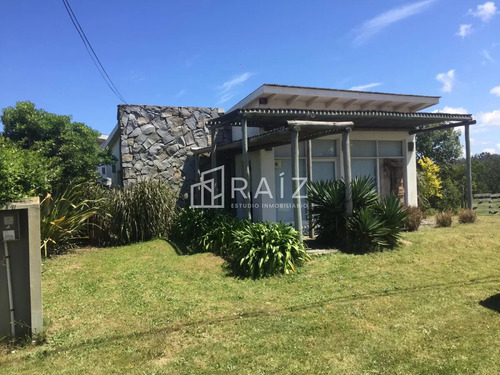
[[157, 142]]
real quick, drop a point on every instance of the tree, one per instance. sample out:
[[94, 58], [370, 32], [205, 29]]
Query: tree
[[429, 183], [441, 146], [23, 172], [489, 180], [71, 145]]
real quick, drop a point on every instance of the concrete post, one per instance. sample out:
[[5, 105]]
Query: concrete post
[[346, 150], [246, 168], [297, 211], [468, 167], [309, 180]]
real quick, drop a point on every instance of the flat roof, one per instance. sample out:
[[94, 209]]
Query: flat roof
[[285, 96], [363, 120]]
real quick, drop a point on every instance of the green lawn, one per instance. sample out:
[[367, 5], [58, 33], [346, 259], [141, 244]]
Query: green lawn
[[142, 309]]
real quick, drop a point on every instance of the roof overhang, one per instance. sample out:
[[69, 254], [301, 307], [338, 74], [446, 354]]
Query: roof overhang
[[280, 96], [111, 137], [269, 119]]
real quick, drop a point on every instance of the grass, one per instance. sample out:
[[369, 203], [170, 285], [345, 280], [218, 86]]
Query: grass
[[142, 309]]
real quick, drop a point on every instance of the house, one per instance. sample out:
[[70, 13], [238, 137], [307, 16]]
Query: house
[[274, 140]]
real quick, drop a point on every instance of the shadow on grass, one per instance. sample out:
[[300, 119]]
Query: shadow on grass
[[264, 313], [492, 303]]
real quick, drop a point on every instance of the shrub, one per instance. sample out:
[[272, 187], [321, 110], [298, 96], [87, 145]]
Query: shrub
[[393, 214], [467, 216], [63, 219], [444, 219], [375, 223], [23, 173], [264, 249], [413, 219], [219, 239], [142, 212], [189, 228], [99, 230], [329, 209], [367, 231]]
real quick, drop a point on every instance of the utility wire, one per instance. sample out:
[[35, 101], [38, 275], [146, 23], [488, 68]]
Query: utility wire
[[91, 52]]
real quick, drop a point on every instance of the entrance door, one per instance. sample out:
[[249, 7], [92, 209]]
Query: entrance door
[[392, 180]]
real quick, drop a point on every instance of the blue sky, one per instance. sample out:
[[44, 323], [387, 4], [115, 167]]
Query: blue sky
[[213, 53]]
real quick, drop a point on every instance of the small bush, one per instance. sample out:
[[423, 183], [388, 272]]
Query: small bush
[[197, 231], [413, 219], [99, 230], [444, 219], [467, 216], [264, 249], [393, 214], [367, 231], [142, 212], [375, 224], [63, 219]]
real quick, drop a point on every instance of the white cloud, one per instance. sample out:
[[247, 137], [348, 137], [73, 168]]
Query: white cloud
[[495, 91], [226, 90], [489, 118], [180, 93], [489, 150], [447, 79], [364, 87], [375, 25], [498, 146], [464, 30], [485, 11], [454, 110], [487, 56], [446, 109]]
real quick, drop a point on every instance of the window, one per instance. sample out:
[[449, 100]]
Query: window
[[324, 148], [380, 160], [324, 161]]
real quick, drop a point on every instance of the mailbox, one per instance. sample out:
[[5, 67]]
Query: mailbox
[[9, 223]]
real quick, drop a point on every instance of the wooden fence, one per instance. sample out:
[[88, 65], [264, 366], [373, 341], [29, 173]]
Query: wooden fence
[[486, 203]]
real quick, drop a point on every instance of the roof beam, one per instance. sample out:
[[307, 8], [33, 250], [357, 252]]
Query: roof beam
[[292, 99], [311, 101], [399, 106], [366, 104], [441, 127], [330, 102], [416, 107], [349, 103], [319, 125], [381, 105]]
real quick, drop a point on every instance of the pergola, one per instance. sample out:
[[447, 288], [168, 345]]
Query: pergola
[[291, 126]]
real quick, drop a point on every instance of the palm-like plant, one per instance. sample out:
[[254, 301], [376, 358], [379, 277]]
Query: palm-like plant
[[367, 231], [374, 224], [63, 219]]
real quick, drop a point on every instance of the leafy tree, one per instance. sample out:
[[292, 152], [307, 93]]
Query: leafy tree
[[441, 146], [72, 145], [23, 172], [486, 172], [429, 183]]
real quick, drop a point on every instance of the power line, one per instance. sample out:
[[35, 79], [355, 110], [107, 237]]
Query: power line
[[91, 52]]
